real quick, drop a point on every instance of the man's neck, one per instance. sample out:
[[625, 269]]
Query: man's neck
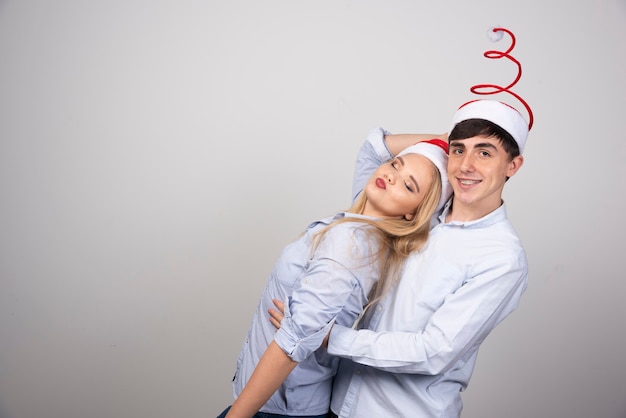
[[466, 213]]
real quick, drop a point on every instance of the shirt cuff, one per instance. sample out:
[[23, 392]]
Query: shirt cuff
[[340, 341], [296, 346], [376, 138]]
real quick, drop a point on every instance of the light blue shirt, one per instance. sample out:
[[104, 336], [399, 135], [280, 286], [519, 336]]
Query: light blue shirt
[[327, 287], [421, 342]]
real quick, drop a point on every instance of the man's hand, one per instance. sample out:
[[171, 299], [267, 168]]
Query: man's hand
[[276, 316]]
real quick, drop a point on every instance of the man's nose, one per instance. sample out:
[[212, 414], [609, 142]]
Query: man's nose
[[467, 164]]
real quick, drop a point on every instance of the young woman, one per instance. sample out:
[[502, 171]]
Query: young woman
[[338, 266]]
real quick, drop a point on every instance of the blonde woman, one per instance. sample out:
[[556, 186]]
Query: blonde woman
[[338, 266]]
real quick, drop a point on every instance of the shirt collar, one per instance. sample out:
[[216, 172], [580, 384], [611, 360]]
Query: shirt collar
[[354, 215], [491, 218], [341, 215]]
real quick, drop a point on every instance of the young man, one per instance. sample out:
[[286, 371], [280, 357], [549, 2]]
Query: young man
[[413, 353]]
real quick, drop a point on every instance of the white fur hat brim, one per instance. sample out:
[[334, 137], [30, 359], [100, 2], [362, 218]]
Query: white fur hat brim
[[503, 115], [439, 157]]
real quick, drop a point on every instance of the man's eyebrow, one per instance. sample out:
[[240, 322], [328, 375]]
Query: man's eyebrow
[[460, 144], [485, 145]]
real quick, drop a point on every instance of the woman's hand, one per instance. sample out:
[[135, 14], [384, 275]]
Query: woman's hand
[[276, 316]]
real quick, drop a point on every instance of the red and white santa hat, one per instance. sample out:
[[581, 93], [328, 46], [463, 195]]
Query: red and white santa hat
[[500, 113], [436, 151]]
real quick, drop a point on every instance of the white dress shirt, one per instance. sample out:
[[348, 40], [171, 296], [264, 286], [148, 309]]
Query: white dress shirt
[[421, 340]]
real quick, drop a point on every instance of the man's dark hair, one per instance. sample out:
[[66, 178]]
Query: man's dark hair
[[480, 127]]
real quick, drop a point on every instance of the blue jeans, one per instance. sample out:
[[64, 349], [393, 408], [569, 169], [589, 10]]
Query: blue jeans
[[266, 415]]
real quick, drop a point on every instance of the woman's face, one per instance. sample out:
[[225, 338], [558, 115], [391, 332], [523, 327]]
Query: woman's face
[[396, 188]]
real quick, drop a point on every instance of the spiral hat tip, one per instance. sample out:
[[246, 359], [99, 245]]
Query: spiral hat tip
[[495, 35]]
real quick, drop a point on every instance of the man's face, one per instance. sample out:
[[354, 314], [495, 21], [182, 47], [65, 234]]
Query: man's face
[[477, 170]]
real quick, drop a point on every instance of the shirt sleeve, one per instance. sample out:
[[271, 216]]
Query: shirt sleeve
[[461, 323], [334, 289], [373, 153]]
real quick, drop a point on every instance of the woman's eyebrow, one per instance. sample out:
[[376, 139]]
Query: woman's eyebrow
[[417, 187]]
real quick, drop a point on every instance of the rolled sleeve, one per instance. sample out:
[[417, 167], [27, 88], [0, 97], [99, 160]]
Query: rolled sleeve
[[334, 289], [293, 341], [373, 153]]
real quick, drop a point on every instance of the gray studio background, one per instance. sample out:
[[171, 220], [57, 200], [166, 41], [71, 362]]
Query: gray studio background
[[155, 157]]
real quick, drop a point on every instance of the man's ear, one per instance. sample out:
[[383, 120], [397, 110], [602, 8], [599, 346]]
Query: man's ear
[[514, 165]]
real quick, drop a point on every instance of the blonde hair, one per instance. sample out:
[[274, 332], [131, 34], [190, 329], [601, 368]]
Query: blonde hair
[[396, 238]]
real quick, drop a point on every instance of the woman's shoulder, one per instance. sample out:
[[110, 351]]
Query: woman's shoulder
[[351, 224], [354, 233]]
